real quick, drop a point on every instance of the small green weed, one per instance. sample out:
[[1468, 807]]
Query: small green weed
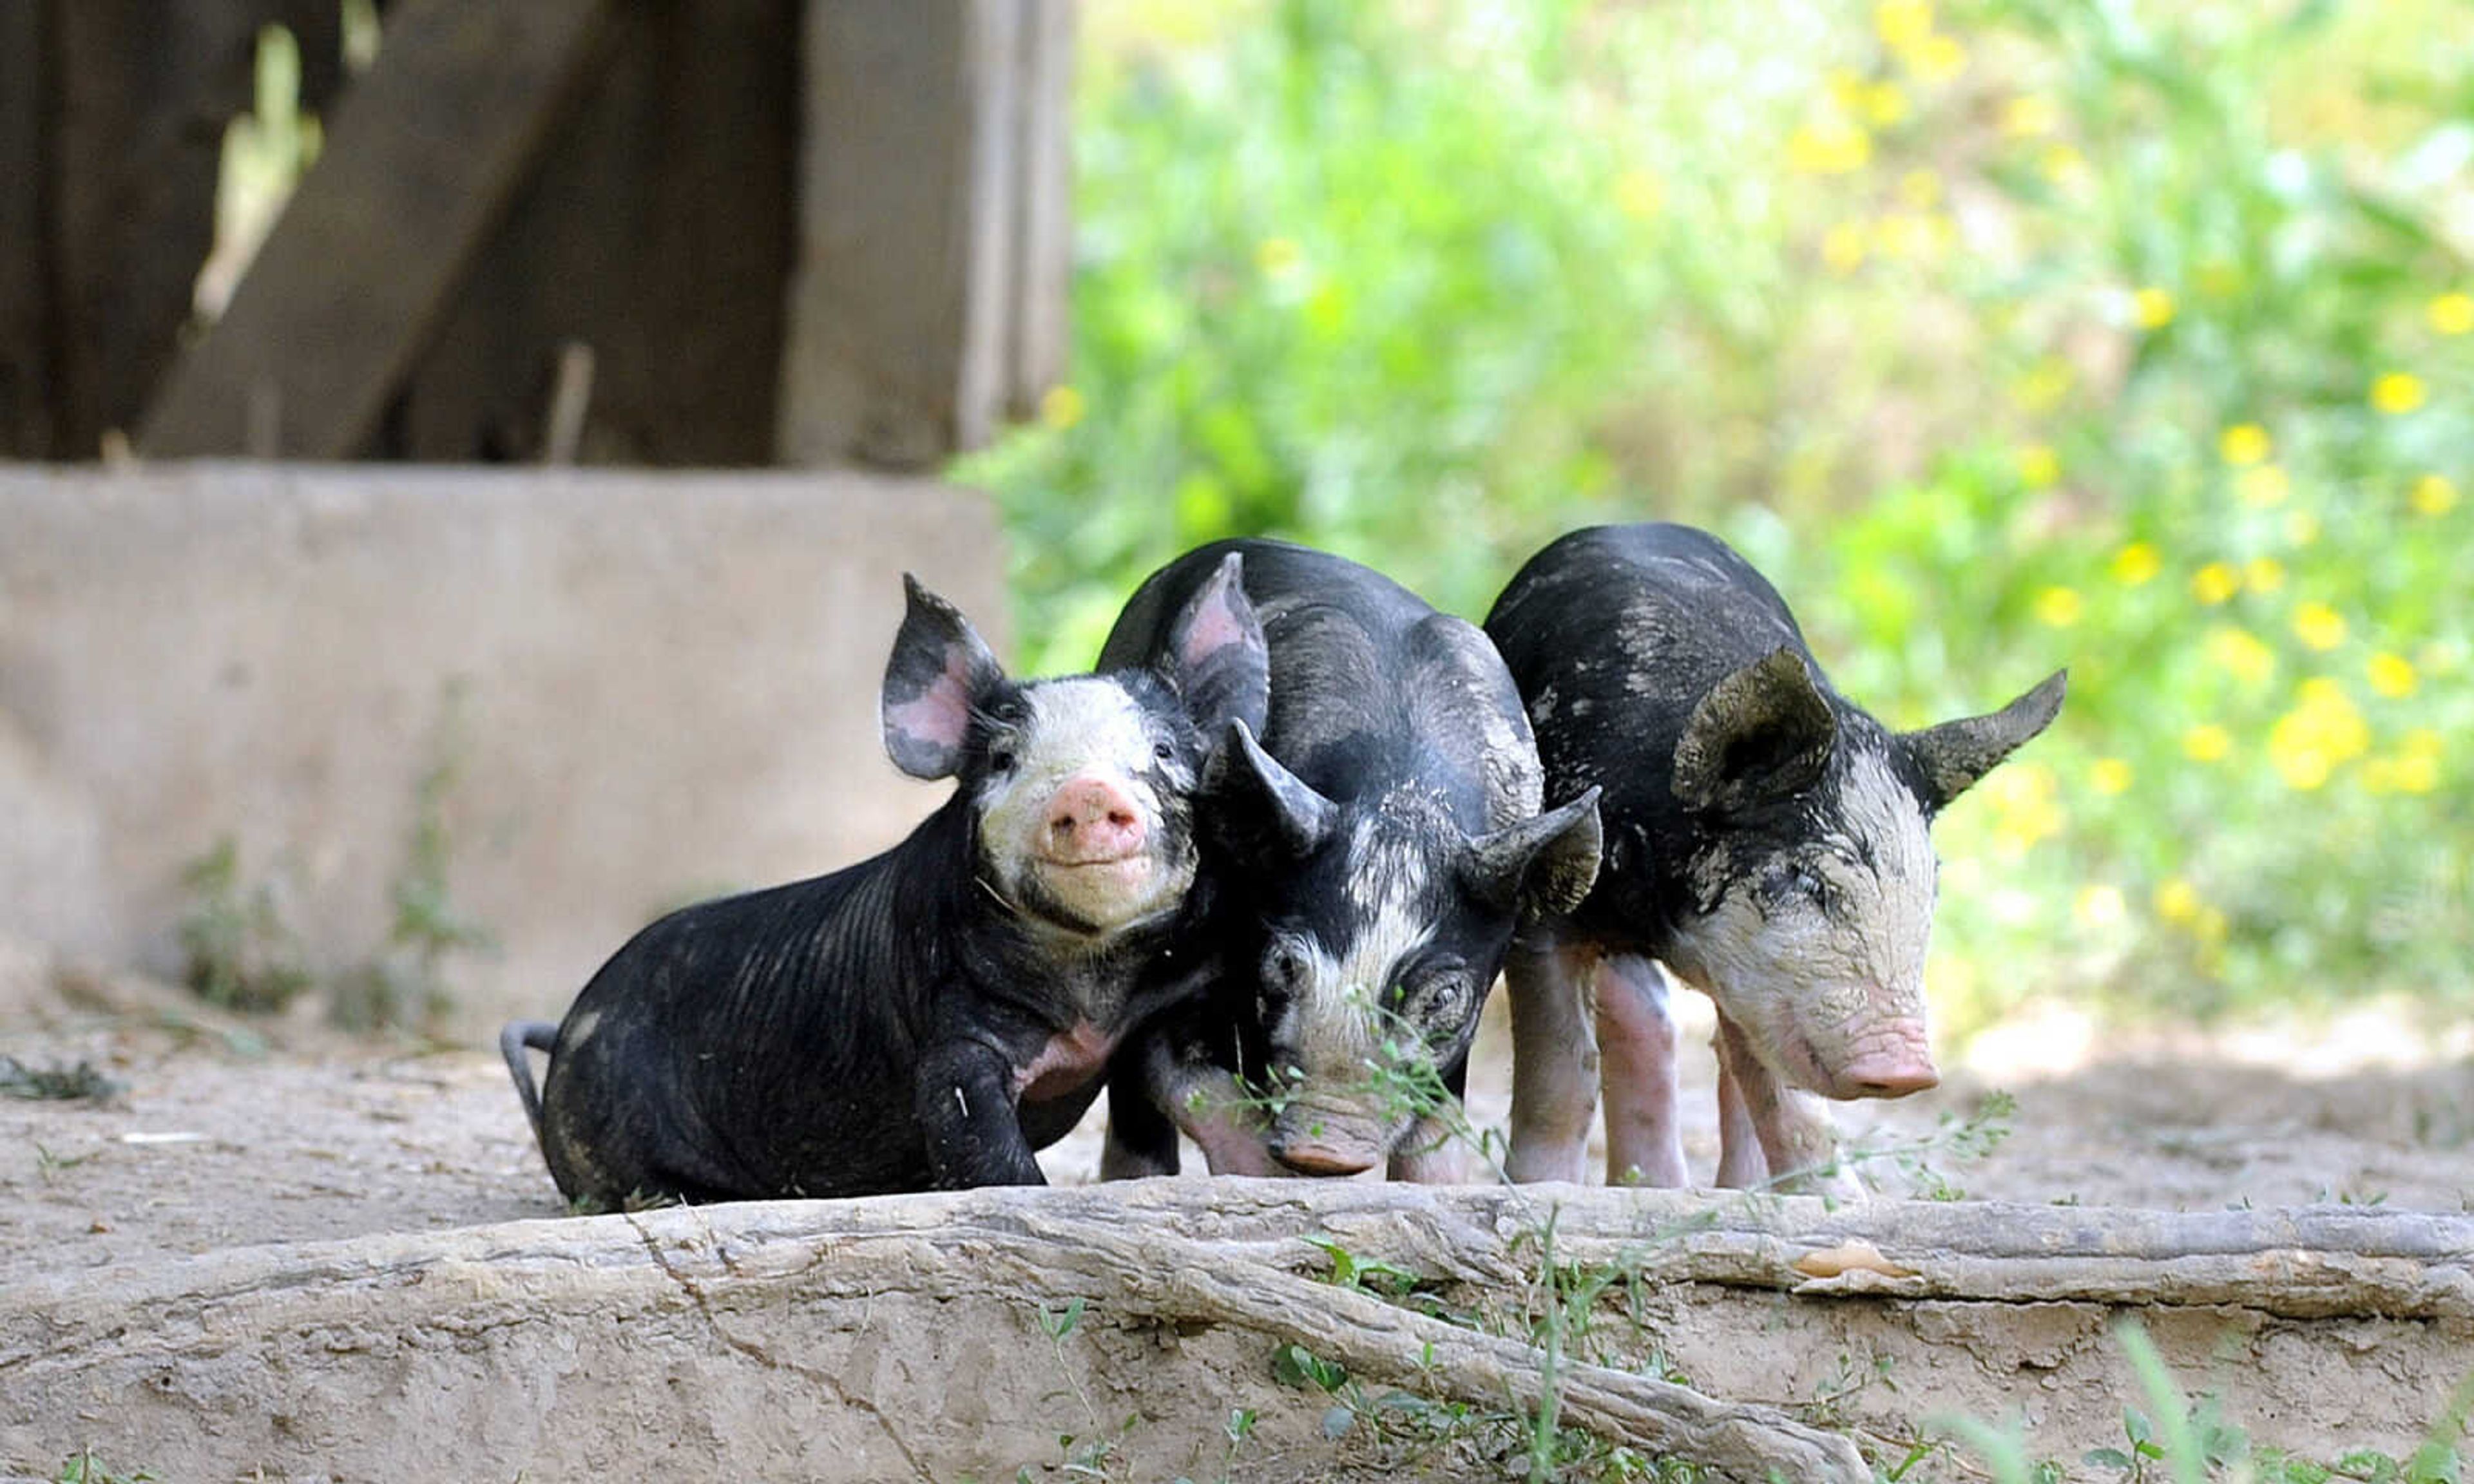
[[83, 1468], [82, 1082], [404, 987], [238, 952]]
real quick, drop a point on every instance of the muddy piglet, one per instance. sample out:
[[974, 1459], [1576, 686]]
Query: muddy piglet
[[1375, 850], [930, 1016], [1765, 841]]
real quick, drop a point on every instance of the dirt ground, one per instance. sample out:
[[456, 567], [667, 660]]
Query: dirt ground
[[229, 1134], [233, 1133]]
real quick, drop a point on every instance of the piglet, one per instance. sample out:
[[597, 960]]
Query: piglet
[[930, 1016], [1373, 852], [1765, 841]]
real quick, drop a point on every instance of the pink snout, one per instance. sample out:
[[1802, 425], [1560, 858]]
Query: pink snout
[[1091, 822], [1308, 1157], [1892, 1072]]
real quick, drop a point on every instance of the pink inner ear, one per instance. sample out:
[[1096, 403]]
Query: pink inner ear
[[940, 714], [1215, 628]]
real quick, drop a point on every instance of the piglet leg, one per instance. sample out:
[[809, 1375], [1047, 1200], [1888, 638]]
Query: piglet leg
[[1741, 1164], [1793, 1127], [966, 1101], [1636, 1052], [1554, 1059]]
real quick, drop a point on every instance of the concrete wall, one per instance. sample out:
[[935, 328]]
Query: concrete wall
[[654, 687]]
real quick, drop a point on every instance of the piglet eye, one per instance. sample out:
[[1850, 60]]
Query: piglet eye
[[1001, 758], [1162, 751]]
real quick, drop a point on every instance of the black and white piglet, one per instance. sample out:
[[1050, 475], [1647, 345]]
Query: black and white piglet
[[1369, 859], [930, 1016], [1766, 841]]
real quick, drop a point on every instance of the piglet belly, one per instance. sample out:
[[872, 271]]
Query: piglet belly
[[1066, 1063]]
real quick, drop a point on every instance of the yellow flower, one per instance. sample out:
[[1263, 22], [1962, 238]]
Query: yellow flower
[[2265, 574], [1898, 234], [1921, 188], [2324, 732], [2065, 166], [2301, 528], [2392, 675], [2109, 775], [1831, 148], [2026, 805], [1903, 23], [2177, 900], [2043, 385], [1277, 255], [2421, 742], [2264, 486], [2453, 313], [2028, 115], [2434, 495], [2241, 653], [2059, 606], [1639, 194], [2318, 626], [2418, 772], [2245, 443], [1061, 407], [1935, 58], [2152, 308], [2397, 392], [2099, 907], [1885, 105], [2136, 563], [1842, 248], [2206, 742], [2038, 466], [2215, 583]]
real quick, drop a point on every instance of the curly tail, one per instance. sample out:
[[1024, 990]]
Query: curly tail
[[520, 1037]]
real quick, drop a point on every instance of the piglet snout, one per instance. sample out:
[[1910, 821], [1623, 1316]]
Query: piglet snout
[[1091, 821], [1308, 1157], [1889, 1073]]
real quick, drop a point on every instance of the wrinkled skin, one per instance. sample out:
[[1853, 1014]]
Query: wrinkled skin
[[933, 1016], [1767, 842], [1371, 856]]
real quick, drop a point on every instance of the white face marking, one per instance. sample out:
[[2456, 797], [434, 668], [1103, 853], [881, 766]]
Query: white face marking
[[1805, 979], [1330, 1029], [1077, 729]]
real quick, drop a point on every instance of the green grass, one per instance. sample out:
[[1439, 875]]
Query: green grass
[[2001, 335]]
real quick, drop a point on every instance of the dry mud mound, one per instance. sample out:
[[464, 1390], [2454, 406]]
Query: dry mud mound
[[323, 1260]]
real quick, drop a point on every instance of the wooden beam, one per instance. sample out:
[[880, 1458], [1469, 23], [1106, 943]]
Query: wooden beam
[[25, 290], [931, 204], [1043, 207], [424, 157]]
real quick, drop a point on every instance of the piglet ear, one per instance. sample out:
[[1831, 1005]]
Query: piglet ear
[[1542, 865], [940, 669], [1267, 813], [1215, 656], [1761, 734], [1955, 754]]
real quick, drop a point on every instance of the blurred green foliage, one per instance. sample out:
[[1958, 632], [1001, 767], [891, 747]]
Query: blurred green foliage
[[2001, 335]]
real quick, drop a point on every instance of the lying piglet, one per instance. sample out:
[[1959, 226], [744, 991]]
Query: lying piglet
[[930, 1016], [1766, 841]]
